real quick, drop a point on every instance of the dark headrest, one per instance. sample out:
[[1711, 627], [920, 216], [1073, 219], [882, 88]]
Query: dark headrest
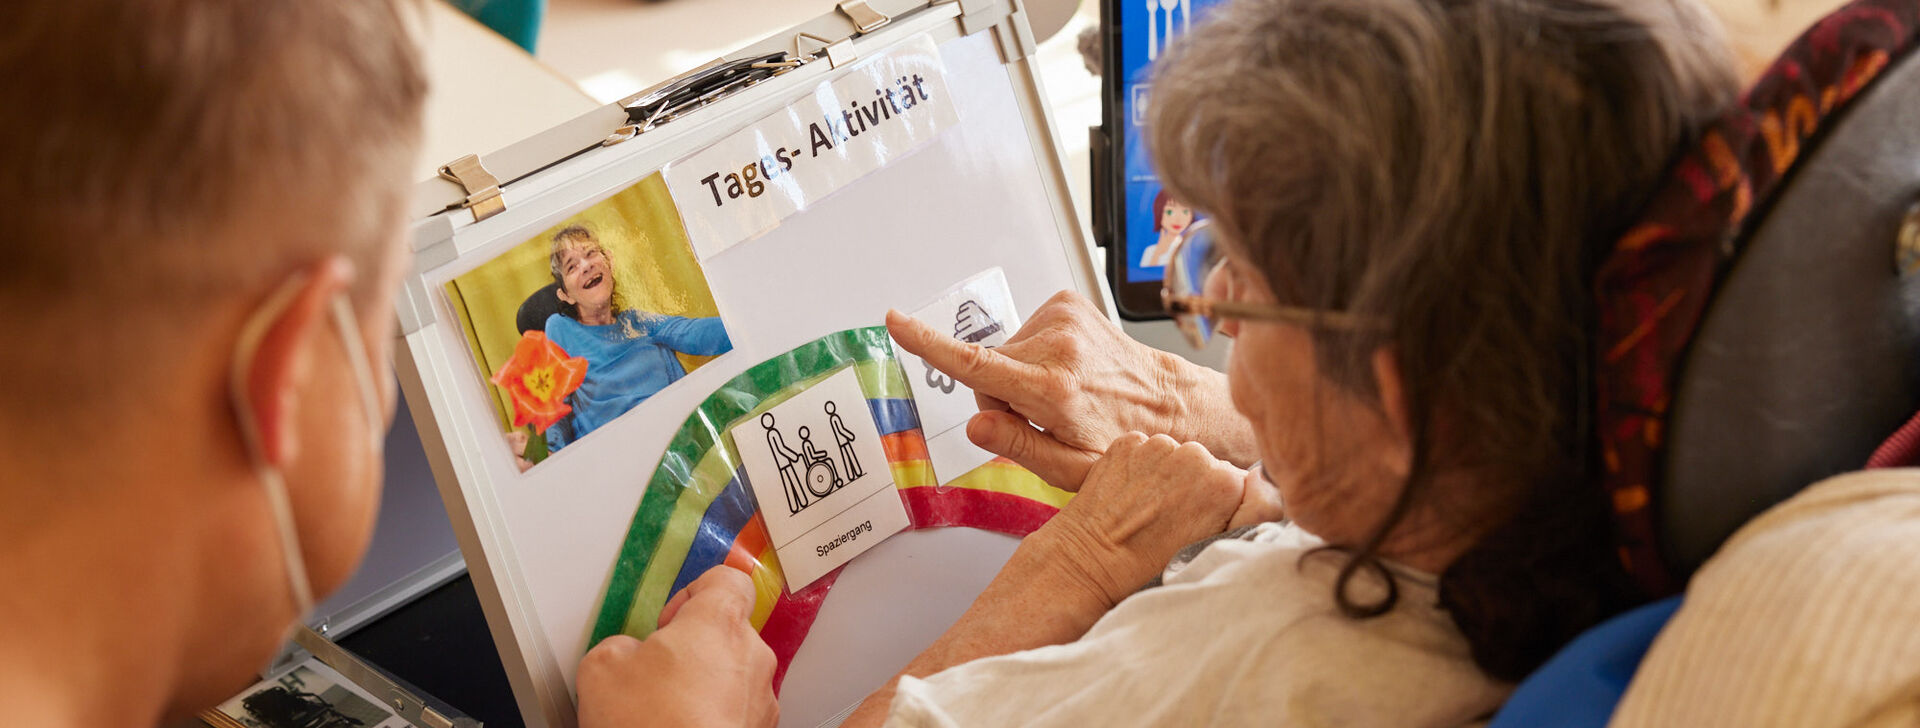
[[535, 310], [1809, 355]]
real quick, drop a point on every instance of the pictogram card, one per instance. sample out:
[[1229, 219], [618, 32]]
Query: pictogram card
[[821, 478]]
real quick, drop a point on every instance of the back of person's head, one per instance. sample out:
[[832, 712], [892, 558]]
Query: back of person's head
[[192, 189], [164, 155], [1456, 169]]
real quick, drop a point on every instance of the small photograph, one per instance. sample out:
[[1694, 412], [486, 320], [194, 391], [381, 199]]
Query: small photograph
[[588, 319], [306, 697]]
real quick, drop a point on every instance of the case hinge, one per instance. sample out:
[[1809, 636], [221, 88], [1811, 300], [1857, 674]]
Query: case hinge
[[863, 16], [483, 189]]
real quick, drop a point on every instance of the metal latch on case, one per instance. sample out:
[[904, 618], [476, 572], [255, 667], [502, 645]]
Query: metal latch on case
[[482, 188], [863, 16]]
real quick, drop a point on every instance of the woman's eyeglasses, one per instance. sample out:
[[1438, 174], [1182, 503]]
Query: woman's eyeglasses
[[1197, 262]]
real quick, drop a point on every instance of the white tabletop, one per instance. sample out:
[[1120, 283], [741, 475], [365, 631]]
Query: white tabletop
[[486, 93]]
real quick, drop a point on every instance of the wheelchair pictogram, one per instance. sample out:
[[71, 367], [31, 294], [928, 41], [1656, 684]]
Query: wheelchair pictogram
[[810, 473], [822, 477]]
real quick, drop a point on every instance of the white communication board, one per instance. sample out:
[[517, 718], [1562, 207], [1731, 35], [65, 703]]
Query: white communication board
[[987, 193]]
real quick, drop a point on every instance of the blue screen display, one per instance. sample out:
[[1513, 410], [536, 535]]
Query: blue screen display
[[1151, 219]]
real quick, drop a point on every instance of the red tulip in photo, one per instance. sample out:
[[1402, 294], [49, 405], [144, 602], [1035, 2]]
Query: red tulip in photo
[[538, 377]]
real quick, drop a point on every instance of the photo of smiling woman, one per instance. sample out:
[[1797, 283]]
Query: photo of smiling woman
[[630, 352], [588, 319]]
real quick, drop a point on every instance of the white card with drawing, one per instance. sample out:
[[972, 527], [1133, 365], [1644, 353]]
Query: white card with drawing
[[979, 310], [821, 478]]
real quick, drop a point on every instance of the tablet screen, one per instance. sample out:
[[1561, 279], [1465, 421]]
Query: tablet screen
[[1149, 219]]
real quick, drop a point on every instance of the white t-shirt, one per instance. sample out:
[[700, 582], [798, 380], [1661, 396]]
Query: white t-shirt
[[1246, 634]]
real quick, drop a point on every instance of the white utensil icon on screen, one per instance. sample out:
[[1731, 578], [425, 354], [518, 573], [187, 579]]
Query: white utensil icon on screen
[[1153, 29], [1155, 40]]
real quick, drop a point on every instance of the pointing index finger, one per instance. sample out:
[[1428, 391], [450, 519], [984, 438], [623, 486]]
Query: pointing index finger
[[722, 593], [984, 370]]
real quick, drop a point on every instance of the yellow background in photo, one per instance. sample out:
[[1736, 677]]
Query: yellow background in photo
[[653, 269]]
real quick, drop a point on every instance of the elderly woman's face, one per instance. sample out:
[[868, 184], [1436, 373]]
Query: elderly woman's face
[[586, 278], [1336, 456]]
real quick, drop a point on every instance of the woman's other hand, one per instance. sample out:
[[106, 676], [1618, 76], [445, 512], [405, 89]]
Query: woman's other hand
[[1069, 382], [704, 666], [1259, 500], [1145, 500]]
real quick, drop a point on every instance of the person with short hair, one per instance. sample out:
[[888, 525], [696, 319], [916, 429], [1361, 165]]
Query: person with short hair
[[203, 237], [204, 210], [629, 352]]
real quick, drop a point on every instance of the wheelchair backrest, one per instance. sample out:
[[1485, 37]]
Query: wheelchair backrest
[[1809, 355], [1754, 330]]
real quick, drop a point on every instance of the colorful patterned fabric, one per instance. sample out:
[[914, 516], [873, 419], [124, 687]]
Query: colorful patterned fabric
[[698, 511], [1902, 450], [1654, 288]]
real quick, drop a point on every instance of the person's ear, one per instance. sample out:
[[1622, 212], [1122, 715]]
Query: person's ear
[[560, 292], [293, 340], [1393, 405]]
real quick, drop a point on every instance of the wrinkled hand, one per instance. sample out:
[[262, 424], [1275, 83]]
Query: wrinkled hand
[[1059, 390], [705, 665], [1259, 501], [1142, 503]]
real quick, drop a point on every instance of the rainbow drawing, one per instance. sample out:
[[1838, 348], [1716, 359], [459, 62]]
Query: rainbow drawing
[[698, 510]]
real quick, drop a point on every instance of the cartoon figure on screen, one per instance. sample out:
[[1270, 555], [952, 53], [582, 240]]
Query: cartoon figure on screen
[[785, 458], [844, 438], [629, 352], [822, 476], [1170, 218]]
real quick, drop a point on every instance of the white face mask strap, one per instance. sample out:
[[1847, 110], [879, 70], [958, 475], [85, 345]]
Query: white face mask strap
[[348, 326], [300, 584], [251, 334]]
